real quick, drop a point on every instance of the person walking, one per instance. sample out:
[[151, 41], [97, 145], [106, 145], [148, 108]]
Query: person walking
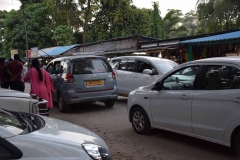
[[14, 68], [40, 81], [24, 72], [5, 76]]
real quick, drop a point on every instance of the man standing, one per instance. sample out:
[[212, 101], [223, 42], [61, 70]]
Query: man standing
[[5, 76], [14, 68], [2, 63]]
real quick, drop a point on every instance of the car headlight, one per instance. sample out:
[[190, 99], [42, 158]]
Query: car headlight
[[97, 152]]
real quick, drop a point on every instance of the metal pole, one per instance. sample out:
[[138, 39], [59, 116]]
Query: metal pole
[[25, 29]]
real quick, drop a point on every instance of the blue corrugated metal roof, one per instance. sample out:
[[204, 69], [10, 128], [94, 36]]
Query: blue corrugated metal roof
[[220, 37], [55, 51]]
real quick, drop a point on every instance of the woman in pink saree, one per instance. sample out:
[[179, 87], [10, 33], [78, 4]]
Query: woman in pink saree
[[40, 82]]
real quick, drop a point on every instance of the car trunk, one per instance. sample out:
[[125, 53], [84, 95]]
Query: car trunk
[[92, 75]]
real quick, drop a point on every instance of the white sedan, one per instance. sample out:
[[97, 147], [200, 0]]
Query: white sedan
[[199, 99], [29, 136]]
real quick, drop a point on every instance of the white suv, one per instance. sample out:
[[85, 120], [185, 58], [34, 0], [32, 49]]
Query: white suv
[[136, 71], [199, 99]]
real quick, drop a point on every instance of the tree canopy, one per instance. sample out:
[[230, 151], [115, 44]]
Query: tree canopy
[[64, 22]]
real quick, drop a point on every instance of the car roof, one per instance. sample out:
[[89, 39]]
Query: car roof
[[232, 59], [77, 57], [141, 57]]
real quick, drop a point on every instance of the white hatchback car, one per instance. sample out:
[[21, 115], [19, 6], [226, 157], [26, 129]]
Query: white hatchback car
[[136, 71], [199, 99], [29, 136]]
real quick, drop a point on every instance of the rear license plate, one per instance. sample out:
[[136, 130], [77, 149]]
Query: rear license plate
[[94, 83]]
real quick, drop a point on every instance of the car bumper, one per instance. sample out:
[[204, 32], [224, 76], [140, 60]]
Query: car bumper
[[71, 97]]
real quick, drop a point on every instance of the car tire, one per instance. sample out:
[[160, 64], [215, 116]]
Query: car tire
[[109, 103], [62, 106], [140, 121], [237, 143]]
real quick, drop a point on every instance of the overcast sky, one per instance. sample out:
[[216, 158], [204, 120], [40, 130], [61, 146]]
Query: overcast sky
[[184, 5]]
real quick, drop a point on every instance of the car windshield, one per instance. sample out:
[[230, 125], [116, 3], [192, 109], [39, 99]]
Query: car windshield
[[165, 67], [10, 123]]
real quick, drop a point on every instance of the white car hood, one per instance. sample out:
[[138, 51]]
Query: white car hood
[[61, 130], [57, 139], [13, 93]]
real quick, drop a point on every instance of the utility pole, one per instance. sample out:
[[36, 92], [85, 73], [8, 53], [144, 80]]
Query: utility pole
[[25, 27]]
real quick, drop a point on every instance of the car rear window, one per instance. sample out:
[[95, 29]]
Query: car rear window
[[91, 66]]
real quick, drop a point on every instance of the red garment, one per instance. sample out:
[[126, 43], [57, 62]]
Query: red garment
[[15, 67], [40, 88]]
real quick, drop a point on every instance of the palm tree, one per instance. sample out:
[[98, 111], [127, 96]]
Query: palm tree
[[221, 15], [171, 22]]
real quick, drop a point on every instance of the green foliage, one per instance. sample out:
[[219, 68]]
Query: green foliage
[[219, 15], [117, 18], [38, 29], [171, 23], [2, 18], [63, 35], [156, 23]]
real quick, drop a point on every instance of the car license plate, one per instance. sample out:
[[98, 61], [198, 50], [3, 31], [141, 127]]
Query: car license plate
[[94, 83]]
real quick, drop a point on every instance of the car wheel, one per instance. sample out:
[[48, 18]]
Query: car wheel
[[237, 143], [62, 106], [109, 103], [140, 121]]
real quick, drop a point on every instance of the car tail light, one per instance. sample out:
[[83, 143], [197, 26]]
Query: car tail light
[[113, 75], [68, 78]]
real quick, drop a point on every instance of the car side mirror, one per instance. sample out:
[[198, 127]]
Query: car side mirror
[[8, 150], [147, 71]]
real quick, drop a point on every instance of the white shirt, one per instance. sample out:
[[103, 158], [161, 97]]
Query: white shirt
[[24, 72], [44, 67]]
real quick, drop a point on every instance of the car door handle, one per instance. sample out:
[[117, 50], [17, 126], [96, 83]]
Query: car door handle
[[237, 100], [135, 76], [185, 97]]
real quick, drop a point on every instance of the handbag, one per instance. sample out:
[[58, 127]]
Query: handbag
[[52, 85]]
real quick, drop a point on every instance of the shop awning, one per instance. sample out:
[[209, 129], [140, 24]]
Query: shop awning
[[55, 51], [221, 37]]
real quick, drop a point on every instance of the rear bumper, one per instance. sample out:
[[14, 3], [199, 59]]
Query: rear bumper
[[71, 97]]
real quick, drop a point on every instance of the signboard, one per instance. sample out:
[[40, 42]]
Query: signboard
[[14, 51], [34, 52]]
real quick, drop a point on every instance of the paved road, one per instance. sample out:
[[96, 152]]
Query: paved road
[[113, 126]]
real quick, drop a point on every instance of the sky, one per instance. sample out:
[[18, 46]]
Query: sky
[[184, 5], [164, 5]]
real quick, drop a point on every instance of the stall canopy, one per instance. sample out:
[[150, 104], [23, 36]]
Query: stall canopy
[[55, 51], [221, 37]]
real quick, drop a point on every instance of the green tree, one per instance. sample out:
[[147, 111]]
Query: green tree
[[117, 18], [171, 22], [63, 35], [219, 15], [156, 23], [190, 23], [38, 29], [2, 18]]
